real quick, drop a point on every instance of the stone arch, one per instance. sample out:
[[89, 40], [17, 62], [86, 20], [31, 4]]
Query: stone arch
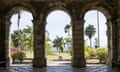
[[107, 13], [7, 22], [13, 9], [57, 6], [101, 9], [52, 10], [107, 10]]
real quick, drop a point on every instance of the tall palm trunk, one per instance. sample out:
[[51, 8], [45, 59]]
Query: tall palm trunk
[[18, 24], [90, 43]]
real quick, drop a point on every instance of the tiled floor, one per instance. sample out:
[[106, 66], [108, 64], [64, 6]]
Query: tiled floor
[[29, 68]]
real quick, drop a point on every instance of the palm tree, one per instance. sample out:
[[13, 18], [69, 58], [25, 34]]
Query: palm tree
[[68, 40], [67, 29], [90, 32], [16, 35], [58, 43], [96, 42], [28, 37], [48, 43], [19, 11], [14, 38]]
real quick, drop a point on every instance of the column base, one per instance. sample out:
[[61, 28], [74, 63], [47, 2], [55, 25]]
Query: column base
[[78, 62], [39, 62], [5, 63], [115, 64]]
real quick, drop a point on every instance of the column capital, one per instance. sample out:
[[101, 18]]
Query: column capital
[[78, 21], [37, 21]]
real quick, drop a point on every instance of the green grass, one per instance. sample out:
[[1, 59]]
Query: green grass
[[52, 56], [55, 55], [29, 54]]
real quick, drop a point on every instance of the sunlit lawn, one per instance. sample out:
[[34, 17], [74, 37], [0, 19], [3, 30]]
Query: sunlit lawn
[[55, 56], [29, 54], [51, 56]]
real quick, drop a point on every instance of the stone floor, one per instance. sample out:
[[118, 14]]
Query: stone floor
[[29, 68]]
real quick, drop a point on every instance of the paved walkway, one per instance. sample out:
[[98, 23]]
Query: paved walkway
[[29, 68]]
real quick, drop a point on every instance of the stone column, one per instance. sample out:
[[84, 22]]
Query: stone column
[[78, 59], [109, 38], [118, 26], [114, 42], [39, 59], [116, 36], [4, 43]]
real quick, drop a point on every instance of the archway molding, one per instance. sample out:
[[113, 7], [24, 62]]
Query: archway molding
[[108, 14]]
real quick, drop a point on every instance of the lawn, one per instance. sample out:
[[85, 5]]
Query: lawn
[[55, 56], [51, 56]]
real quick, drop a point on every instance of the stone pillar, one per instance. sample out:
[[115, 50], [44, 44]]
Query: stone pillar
[[116, 36], [4, 43], [78, 59], [118, 26], [39, 59], [109, 38], [114, 42]]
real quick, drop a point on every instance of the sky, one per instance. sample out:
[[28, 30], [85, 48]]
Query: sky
[[57, 20], [25, 20], [91, 18]]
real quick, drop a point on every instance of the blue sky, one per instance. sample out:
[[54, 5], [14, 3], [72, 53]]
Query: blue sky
[[57, 20]]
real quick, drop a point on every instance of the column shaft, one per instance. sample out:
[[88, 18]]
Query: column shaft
[[39, 44], [4, 43], [78, 59]]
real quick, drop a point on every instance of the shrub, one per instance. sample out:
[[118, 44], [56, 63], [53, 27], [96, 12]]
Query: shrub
[[102, 54], [14, 50], [90, 53], [86, 55], [18, 56]]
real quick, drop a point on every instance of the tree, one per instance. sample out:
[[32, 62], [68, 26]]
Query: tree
[[58, 43], [48, 43], [67, 29], [68, 40], [96, 42], [28, 37], [14, 38], [90, 32], [25, 40]]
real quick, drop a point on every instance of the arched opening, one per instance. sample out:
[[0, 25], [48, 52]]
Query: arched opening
[[21, 37], [58, 38], [97, 38]]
